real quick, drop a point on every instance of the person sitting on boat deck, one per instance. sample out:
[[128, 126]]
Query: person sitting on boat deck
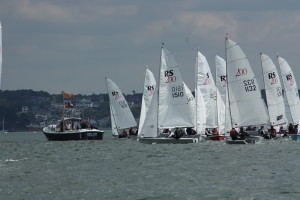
[[272, 131], [131, 131], [261, 131], [171, 133], [178, 133], [215, 131], [243, 134], [190, 131], [291, 129], [233, 134], [207, 131], [123, 134], [296, 129], [68, 126], [284, 132]]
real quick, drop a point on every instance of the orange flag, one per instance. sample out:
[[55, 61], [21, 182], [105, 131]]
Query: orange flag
[[67, 95]]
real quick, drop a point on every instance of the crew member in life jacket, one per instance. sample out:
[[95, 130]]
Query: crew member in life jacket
[[123, 134], [233, 134], [178, 133], [272, 131], [131, 131], [215, 131], [243, 134]]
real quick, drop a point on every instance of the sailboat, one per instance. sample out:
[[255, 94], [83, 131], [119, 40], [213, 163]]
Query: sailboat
[[291, 91], [246, 104], [172, 105], [121, 115], [215, 108], [276, 108], [149, 87]]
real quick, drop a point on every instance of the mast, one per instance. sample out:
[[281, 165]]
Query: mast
[[158, 88], [226, 38]]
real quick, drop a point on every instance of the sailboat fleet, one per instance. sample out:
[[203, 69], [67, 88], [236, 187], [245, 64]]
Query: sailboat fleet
[[220, 107]]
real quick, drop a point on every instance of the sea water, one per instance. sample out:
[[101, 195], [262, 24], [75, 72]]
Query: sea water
[[36, 169]]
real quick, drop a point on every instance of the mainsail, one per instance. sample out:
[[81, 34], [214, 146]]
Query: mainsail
[[121, 114], [291, 89], [175, 109], [149, 87], [208, 90], [245, 101], [273, 91]]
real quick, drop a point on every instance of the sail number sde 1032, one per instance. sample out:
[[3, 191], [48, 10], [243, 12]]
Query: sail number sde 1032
[[249, 85]]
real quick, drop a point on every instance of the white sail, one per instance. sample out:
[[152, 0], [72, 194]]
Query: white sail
[[149, 86], [291, 89], [0, 55], [273, 91], [120, 110], [200, 104], [149, 128], [221, 84], [245, 101], [174, 109], [208, 90], [114, 129]]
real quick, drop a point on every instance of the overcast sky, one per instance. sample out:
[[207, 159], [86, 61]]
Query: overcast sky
[[72, 45]]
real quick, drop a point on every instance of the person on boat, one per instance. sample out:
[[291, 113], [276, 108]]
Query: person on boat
[[233, 134], [284, 132], [215, 131], [291, 129], [123, 134], [171, 134], [272, 131], [131, 131], [296, 129], [243, 134], [207, 131], [178, 133], [68, 126], [261, 131], [190, 131]]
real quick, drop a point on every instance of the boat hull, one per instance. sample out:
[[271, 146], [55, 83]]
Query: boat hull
[[295, 137], [250, 140], [168, 140], [215, 137], [92, 134]]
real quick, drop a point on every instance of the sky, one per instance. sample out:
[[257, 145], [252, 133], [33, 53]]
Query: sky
[[72, 45]]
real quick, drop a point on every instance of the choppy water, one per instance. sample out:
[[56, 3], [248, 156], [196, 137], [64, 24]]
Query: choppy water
[[33, 168]]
